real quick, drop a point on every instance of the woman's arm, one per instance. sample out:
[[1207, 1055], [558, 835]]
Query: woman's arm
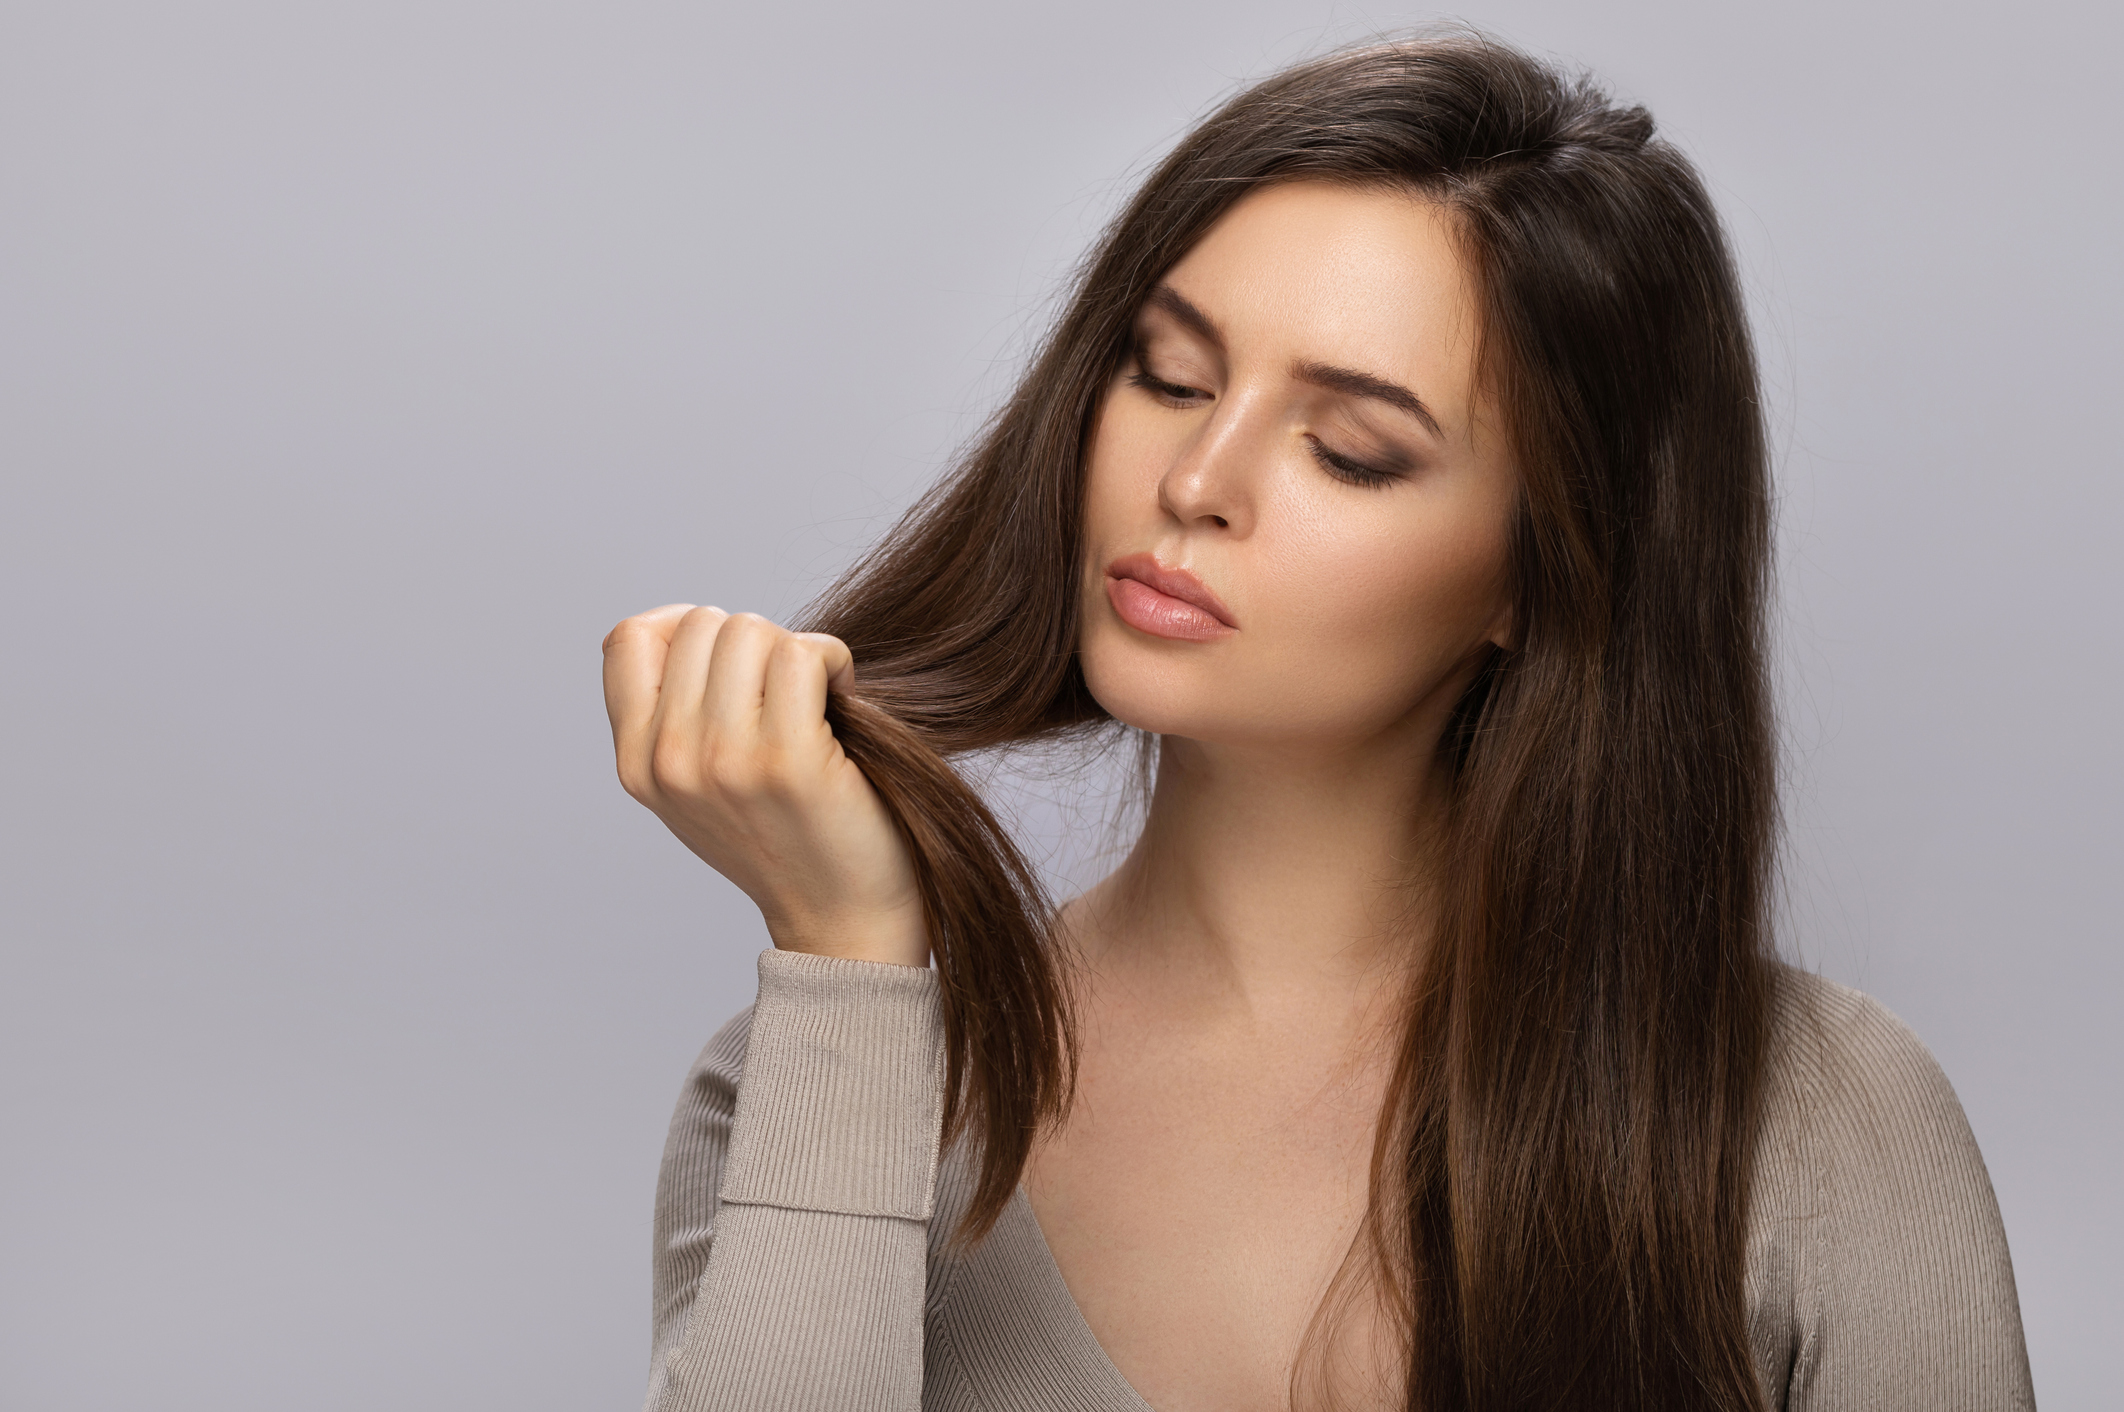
[[792, 1209], [794, 1199]]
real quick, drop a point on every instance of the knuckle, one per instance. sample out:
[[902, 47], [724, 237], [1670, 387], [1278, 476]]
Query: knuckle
[[671, 766], [731, 772]]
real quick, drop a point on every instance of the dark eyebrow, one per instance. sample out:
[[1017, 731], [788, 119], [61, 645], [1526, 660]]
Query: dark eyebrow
[[1347, 381], [1170, 299], [1352, 383]]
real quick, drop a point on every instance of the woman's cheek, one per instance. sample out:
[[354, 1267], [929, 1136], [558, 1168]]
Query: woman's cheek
[[1385, 624]]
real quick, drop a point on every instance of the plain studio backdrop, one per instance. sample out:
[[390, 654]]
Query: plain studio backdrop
[[364, 362]]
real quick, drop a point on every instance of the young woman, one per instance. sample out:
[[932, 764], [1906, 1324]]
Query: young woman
[[1398, 466]]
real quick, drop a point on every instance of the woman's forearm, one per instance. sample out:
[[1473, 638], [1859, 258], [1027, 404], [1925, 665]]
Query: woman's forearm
[[795, 1196]]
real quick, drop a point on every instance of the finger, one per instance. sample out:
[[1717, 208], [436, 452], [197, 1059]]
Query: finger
[[799, 674], [678, 705], [634, 669], [840, 662], [664, 620], [730, 704]]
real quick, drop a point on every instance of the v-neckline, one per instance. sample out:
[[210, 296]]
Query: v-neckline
[[1049, 1270], [1009, 1311]]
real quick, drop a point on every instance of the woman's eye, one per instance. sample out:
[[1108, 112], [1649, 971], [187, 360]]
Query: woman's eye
[[1343, 468], [1167, 391]]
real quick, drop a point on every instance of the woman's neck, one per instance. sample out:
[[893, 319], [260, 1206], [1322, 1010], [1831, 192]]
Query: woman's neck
[[1273, 886]]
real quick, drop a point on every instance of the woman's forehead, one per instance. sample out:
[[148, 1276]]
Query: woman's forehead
[[1322, 273]]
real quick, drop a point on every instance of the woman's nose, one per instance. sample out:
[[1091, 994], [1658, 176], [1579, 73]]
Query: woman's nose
[[1215, 480]]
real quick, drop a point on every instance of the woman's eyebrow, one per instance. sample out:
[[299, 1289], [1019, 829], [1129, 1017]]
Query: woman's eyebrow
[[1347, 381], [1173, 302], [1352, 383]]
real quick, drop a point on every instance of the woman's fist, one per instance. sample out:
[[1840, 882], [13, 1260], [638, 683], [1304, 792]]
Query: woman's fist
[[719, 723]]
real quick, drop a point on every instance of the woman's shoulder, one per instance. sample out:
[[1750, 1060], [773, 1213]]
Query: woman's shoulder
[[1855, 1106], [1877, 1255], [1839, 1057]]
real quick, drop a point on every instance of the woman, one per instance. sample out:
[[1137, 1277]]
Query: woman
[[1398, 465]]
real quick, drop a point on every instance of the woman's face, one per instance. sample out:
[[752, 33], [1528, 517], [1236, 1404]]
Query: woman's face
[[1298, 443]]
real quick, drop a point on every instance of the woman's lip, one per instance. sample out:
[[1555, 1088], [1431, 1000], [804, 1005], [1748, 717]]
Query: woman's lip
[[1166, 602]]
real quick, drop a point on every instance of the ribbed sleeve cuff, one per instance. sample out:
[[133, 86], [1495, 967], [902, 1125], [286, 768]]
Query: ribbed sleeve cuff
[[842, 1097]]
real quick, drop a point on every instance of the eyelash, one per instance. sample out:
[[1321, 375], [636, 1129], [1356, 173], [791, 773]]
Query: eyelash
[[1355, 472], [1339, 466], [1159, 388]]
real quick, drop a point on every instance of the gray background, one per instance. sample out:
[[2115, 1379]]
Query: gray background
[[364, 362]]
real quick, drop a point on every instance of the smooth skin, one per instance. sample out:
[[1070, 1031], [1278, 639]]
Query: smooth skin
[[1240, 970]]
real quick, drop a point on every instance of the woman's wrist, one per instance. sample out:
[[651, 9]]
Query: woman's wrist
[[898, 938]]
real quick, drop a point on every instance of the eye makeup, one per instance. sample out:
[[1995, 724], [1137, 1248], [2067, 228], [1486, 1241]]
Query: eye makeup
[[1351, 470]]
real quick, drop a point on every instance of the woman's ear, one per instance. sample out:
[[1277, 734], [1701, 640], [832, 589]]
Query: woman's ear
[[1504, 628]]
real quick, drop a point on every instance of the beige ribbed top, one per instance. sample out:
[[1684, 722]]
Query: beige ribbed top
[[802, 1204]]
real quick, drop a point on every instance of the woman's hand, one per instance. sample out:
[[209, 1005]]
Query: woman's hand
[[719, 723]]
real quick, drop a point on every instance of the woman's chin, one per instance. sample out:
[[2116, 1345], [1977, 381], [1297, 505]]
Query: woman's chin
[[1193, 711], [1153, 717], [1230, 698], [1154, 707]]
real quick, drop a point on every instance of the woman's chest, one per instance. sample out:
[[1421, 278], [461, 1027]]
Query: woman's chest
[[1198, 1205]]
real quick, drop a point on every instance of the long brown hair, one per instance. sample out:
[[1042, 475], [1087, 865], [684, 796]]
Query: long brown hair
[[1560, 1186]]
